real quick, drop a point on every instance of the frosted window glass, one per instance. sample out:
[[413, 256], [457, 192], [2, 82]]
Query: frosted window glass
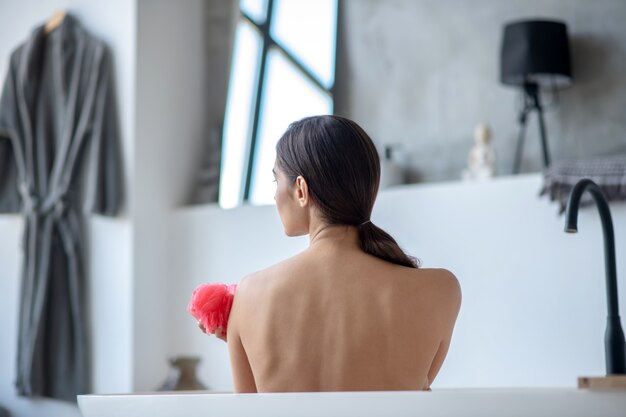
[[308, 29], [239, 114], [288, 97], [256, 9]]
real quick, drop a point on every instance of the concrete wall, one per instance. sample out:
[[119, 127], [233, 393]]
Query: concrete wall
[[424, 73], [534, 307]]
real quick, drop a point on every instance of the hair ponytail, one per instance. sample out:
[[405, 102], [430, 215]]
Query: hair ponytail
[[342, 168], [379, 243]]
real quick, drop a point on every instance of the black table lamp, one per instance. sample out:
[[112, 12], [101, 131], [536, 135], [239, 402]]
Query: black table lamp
[[534, 54]]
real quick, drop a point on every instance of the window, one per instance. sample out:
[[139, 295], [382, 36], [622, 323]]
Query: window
[[282, 70]]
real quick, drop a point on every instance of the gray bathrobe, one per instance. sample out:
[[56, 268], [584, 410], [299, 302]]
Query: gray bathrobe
[[58, 157]]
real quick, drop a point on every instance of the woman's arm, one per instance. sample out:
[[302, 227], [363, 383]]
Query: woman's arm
[[451, 298], [243, 378], [438, 361]]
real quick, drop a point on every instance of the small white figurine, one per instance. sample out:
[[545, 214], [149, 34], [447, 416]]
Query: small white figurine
[[482, 158], [391, 171]]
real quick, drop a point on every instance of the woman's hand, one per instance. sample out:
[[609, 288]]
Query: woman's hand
[[219, 332]]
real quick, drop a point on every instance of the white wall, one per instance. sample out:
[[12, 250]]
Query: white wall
[[164, 81], [163, 52], [173, 92], [110, 253], [533, 310]]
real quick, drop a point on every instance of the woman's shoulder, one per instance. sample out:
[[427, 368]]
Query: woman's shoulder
[[267, 278], [441, 283], [440, 276], [258, 291]]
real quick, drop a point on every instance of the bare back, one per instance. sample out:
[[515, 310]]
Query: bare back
[[337, 319]]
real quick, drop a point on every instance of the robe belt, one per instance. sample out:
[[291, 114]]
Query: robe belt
[[55, 204]]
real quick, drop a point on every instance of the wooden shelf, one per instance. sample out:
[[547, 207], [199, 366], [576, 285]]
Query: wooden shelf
[[602, 382]]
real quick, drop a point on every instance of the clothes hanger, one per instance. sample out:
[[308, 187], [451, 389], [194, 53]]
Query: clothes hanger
[[55, 21]]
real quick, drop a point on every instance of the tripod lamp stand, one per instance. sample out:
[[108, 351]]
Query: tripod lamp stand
[[534, 55]]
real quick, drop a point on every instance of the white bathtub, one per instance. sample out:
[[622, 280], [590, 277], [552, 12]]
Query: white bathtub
[[440, 403]]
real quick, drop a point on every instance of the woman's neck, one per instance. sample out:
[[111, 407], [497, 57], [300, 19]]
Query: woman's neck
[[333, 234]]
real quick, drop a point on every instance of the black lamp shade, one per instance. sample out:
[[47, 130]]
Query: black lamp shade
[[535, 51]]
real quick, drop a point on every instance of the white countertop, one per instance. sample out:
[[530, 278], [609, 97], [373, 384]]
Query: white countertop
[[554, 402]]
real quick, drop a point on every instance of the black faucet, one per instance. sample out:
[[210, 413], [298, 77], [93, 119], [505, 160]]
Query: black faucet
[[614, 345]]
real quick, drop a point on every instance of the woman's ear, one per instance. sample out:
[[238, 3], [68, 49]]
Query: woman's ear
[[301, 191]]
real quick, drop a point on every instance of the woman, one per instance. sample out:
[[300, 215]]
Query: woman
[[352, 312]]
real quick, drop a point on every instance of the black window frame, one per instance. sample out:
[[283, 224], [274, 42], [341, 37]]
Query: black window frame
[[269, 43]]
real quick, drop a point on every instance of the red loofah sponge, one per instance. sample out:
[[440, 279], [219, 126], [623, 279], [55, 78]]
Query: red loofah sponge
[[210, 304]]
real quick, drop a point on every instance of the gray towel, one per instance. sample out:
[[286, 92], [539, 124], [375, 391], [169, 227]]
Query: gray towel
[[608, 172]]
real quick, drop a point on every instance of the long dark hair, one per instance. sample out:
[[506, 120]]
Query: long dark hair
[[341, 166]]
